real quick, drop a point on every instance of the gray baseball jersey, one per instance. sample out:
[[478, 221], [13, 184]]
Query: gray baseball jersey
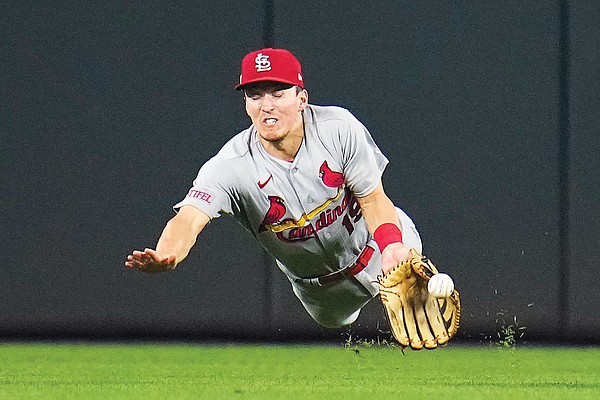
[[303, 212]]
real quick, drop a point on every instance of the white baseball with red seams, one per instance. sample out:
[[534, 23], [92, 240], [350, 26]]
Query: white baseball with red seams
[[440, 286]]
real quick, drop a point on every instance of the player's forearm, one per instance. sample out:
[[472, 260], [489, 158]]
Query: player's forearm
[[382, 220], [180, 233], [384, 213], [378, 209], [176, 239]]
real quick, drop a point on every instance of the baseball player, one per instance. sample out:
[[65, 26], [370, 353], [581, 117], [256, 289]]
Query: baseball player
[[305, 181]]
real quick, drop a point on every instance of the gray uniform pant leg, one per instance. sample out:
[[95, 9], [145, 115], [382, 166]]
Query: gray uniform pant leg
[[337, 304]]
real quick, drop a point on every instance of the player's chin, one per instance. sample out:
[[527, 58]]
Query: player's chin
[[272, 135]]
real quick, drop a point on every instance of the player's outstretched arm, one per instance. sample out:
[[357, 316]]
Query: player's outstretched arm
[[378, 209], [174, 244]]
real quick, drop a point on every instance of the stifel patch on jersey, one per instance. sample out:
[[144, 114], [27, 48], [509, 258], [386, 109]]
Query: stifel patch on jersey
[[198, 194]]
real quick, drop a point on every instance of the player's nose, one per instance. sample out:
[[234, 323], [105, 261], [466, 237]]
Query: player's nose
[[267, 103]]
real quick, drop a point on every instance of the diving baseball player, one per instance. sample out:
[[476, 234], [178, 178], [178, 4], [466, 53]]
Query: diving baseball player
[[305, 181]]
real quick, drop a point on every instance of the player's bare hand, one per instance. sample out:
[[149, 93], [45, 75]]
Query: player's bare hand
[[150, 261], [393, 255]]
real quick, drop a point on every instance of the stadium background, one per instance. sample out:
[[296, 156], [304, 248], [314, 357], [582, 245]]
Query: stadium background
[[487, 110]]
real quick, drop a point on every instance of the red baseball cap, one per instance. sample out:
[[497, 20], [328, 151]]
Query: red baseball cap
[[278, 65]]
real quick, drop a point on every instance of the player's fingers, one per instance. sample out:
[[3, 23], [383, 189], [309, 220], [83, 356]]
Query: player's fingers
[[130, 260], [149, 261], [134, 263], [136, 258], [166, 261], [153, 255], [138, 255]]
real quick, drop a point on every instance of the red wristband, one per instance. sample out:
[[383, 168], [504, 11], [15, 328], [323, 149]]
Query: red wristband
[[386, 234]]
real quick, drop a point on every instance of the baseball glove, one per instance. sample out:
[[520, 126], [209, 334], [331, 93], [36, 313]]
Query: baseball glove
[[417, 318]]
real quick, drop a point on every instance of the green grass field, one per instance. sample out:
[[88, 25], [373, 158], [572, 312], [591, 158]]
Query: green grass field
[[196, 371]]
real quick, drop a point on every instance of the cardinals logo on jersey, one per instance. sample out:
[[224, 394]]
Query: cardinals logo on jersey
[[274, 214], [304, 228], [330, 178]]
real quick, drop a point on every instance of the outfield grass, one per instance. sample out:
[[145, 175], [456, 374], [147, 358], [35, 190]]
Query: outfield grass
[[94, 371]]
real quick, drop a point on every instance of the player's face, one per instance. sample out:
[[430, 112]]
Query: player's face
[[275, 109]]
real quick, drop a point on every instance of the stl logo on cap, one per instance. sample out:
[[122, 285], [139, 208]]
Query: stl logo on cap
[[277, 65], [262, 63]]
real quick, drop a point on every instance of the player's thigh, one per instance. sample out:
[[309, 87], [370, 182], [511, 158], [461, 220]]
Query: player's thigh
[[336, 304]]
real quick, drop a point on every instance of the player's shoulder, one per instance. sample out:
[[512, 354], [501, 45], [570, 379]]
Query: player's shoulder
[[232, 158], [329, 113], [238, 146], [228, 165]]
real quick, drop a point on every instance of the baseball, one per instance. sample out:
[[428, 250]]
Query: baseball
[[440, 286]]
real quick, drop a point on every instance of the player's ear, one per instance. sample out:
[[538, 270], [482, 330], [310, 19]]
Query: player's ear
[[303, 98]]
